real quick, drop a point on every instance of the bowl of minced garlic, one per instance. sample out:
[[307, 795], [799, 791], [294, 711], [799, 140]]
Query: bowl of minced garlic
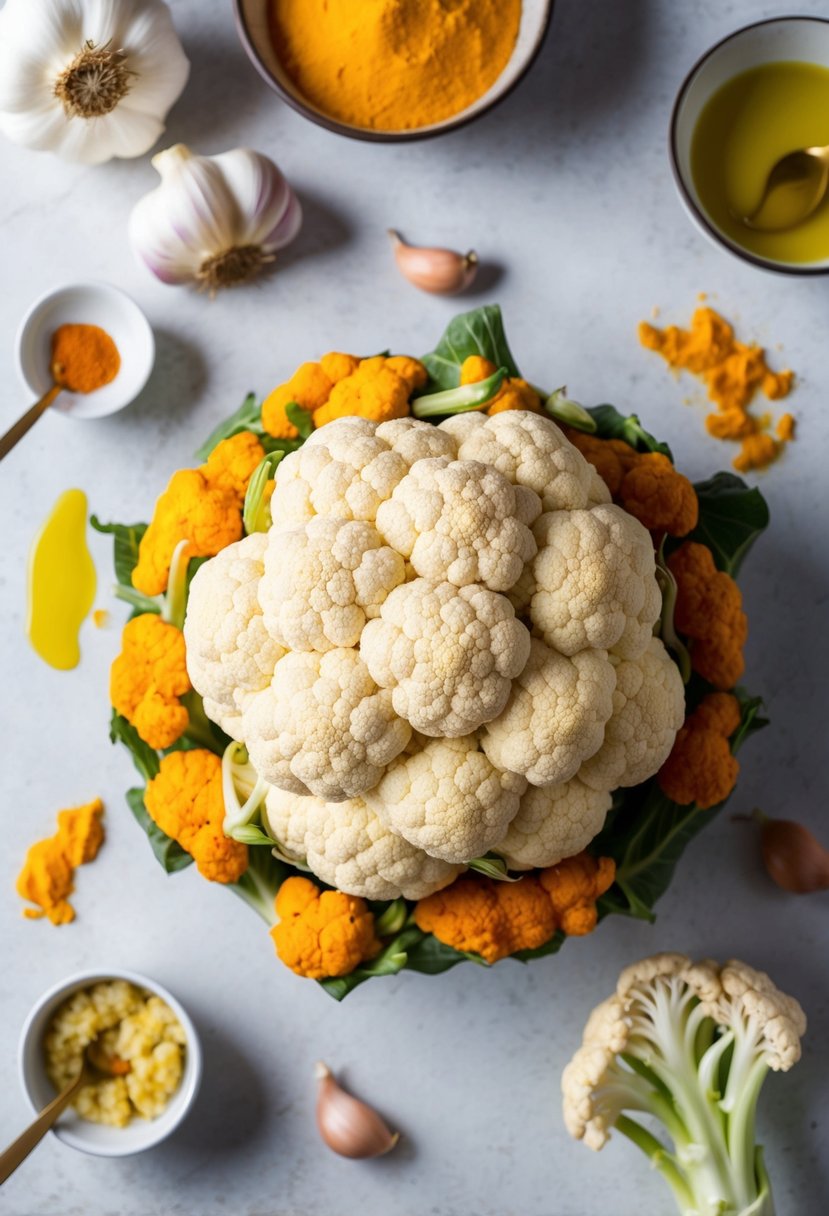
[[147, 1049], [392, 70]]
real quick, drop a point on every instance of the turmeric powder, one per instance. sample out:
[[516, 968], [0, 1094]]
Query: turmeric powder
[[734, 373], [47, 877], [393, 65], [84, 358]]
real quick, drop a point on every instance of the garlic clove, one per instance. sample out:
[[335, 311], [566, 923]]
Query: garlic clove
[[347, 1125], [433, 269]]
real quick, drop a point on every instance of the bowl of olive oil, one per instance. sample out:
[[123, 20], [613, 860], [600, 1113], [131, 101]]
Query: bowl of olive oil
[[758, 95]]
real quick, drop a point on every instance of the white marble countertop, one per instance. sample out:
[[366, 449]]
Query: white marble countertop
[[566, 193]]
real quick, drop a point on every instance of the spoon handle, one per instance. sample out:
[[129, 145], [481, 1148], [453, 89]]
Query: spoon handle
[[20, 1148], [19, 429]]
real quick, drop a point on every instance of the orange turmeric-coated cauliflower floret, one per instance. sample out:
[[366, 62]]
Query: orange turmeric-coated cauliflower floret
[[309, 387], [573, 886], [202, 506], [374, 391], [409, 369], [514, 393], [701, 767], [489, 918], [185, 800], [148, 677], [611, 458], [322, 934], [709, 612], [658, 496], [337, 366]]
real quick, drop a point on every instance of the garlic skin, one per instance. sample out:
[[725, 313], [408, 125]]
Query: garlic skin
[[440, 271], [214, 221], [347, 1125], [88, 80]]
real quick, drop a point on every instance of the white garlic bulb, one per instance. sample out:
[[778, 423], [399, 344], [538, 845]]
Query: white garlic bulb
[[214, 221], [86, 79]]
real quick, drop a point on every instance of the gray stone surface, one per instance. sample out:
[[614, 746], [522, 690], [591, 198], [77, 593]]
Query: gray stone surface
[[566, 193]]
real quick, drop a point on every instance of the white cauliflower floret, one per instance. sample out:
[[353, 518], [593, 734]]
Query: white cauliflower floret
[[447, 799], [462, 522], [285, 819], [416, 440], [230, 653], [648, 710], [520, 595], [552, 823], [323, 726], [555, 717], [447, 653], [348, 467], [531, 451], [324, 580], [351, 849], [596, 581]]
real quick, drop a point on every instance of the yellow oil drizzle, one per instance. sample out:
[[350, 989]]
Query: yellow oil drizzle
[[61, 584]]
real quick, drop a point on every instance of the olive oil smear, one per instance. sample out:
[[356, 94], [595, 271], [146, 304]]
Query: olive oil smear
[[61, 583], [749, 124]]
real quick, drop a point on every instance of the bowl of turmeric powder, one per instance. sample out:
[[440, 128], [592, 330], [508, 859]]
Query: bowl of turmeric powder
[[92, 338], [392, 70]]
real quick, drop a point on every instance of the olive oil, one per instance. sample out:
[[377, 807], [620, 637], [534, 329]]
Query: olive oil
[[745, 128], [61, 585]]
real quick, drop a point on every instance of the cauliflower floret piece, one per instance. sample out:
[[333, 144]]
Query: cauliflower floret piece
[[648, 710], [448, 799], [447, 653], [323, 581], [230, 653], [351, 849], [349, 466], [555, 716], [323, 726], [520, 595], [596, 579], [459, 521], [416, 440], [598, 494], [531, 451], [553, 823]]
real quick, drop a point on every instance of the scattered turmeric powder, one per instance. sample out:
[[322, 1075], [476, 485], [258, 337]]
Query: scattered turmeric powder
[[495, 919], [709, 612], [47, 877], [322, 934], [393, 64], [701, 768], [185, 800], [734, 373], [84, 358], [100, 618]]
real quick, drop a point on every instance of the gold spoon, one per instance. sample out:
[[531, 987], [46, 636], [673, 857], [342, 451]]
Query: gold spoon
[[16, 432], [794, 190], [94, 1065]]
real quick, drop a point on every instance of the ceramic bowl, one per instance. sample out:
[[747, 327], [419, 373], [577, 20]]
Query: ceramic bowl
[[87, 304], [98, 1138], [805, 39], [252, 24]]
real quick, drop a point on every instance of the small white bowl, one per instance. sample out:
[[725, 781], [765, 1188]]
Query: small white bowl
[[805, 39], [253, 24], [98, 1138], [87, 304]]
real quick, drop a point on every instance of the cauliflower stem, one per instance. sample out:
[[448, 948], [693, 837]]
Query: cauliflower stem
[[689, 1045]]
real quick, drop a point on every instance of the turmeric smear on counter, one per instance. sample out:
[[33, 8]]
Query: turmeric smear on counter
[[734, 374], [47, 877]]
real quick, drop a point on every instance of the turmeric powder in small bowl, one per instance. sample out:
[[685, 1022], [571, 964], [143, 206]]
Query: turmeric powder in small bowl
[[94, 340], [392, 70]]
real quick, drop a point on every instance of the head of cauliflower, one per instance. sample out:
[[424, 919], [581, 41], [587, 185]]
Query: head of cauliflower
[[442, 647]]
